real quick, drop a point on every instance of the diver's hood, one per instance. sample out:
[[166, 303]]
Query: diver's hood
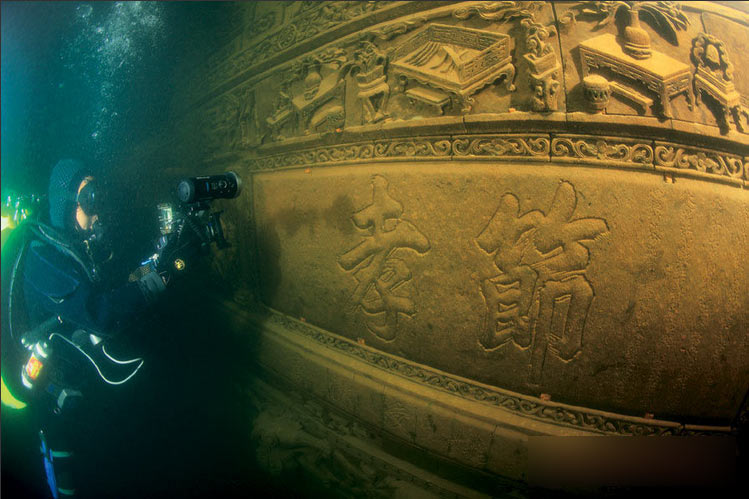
[[66, 176]]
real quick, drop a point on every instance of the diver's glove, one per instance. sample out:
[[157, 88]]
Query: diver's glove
[[149, 280], [177, 251]]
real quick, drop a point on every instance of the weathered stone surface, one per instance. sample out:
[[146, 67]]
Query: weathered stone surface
[[651, 271], [450, 244]]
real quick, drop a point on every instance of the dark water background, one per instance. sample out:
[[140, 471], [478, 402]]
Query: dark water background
[[91, 81]]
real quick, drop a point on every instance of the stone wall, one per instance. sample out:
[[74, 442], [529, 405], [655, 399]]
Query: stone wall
[[468, 223]]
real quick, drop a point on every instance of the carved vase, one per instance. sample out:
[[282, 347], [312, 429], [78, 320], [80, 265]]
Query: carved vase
[[636, 39]]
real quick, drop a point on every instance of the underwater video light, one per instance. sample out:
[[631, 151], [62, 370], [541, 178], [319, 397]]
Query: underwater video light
[[196, 189]]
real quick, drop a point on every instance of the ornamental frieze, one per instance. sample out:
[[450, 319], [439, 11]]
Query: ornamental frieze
[[600, 151], [521, 57]]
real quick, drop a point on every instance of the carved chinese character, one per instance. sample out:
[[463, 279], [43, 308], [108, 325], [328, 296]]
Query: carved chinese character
[[382, 292], [540, 297]]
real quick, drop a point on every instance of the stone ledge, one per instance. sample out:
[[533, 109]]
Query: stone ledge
[[464, 422], [536, 416]]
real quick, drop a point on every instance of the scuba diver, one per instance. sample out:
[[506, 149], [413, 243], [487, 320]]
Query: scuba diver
[[59, 311], [61, 308]]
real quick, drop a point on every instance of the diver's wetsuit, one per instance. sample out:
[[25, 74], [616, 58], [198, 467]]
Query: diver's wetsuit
[[54, 285], [57, 284]]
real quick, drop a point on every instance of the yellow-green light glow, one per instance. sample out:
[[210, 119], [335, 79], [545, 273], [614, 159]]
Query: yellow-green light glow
[[8, 399]]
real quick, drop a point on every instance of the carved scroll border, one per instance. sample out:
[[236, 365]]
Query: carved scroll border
[[598, 151], [700, 162], [523, 405]]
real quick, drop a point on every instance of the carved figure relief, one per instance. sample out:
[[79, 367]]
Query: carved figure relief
[[233, 119], [633, 61], [540, 298], [383, 291], [369, 71], [312, 95], [450, 63], [544, 66], [714, 77]]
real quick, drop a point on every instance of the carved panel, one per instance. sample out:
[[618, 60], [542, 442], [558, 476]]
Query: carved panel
[[458, 61], [522, 147]]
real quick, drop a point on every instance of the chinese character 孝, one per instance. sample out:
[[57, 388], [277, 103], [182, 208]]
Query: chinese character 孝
[[382, 292]]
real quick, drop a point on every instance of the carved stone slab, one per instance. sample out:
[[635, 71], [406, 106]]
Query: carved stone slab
[[476, 293]]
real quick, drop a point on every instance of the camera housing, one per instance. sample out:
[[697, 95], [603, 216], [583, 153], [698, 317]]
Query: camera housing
[[189, 228]]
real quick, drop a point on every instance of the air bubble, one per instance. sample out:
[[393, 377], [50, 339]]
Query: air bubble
[[84, 10]]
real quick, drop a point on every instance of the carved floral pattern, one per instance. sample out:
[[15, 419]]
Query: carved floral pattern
[[701, 160], [568, 148], [602, 150], [508, 147]]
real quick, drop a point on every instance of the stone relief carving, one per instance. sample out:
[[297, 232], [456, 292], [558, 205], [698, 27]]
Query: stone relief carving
[[714, 77], [567, 148], [604, 150], [233, 121], [384, 290], [540, 298], [258, 24], [597, 91], [312, 95], [665, 17], [369, 71], [520, 147], [312, 19], [700, 160], [533, 407], [633, 61], [450, 63], [499, 12], [544, 66]]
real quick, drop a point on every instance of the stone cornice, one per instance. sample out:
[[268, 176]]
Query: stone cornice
[[546, 141]]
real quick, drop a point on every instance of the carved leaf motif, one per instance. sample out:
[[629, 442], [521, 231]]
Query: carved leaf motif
[[499, 11], [601, 150], [665, 17], [702, 161]]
